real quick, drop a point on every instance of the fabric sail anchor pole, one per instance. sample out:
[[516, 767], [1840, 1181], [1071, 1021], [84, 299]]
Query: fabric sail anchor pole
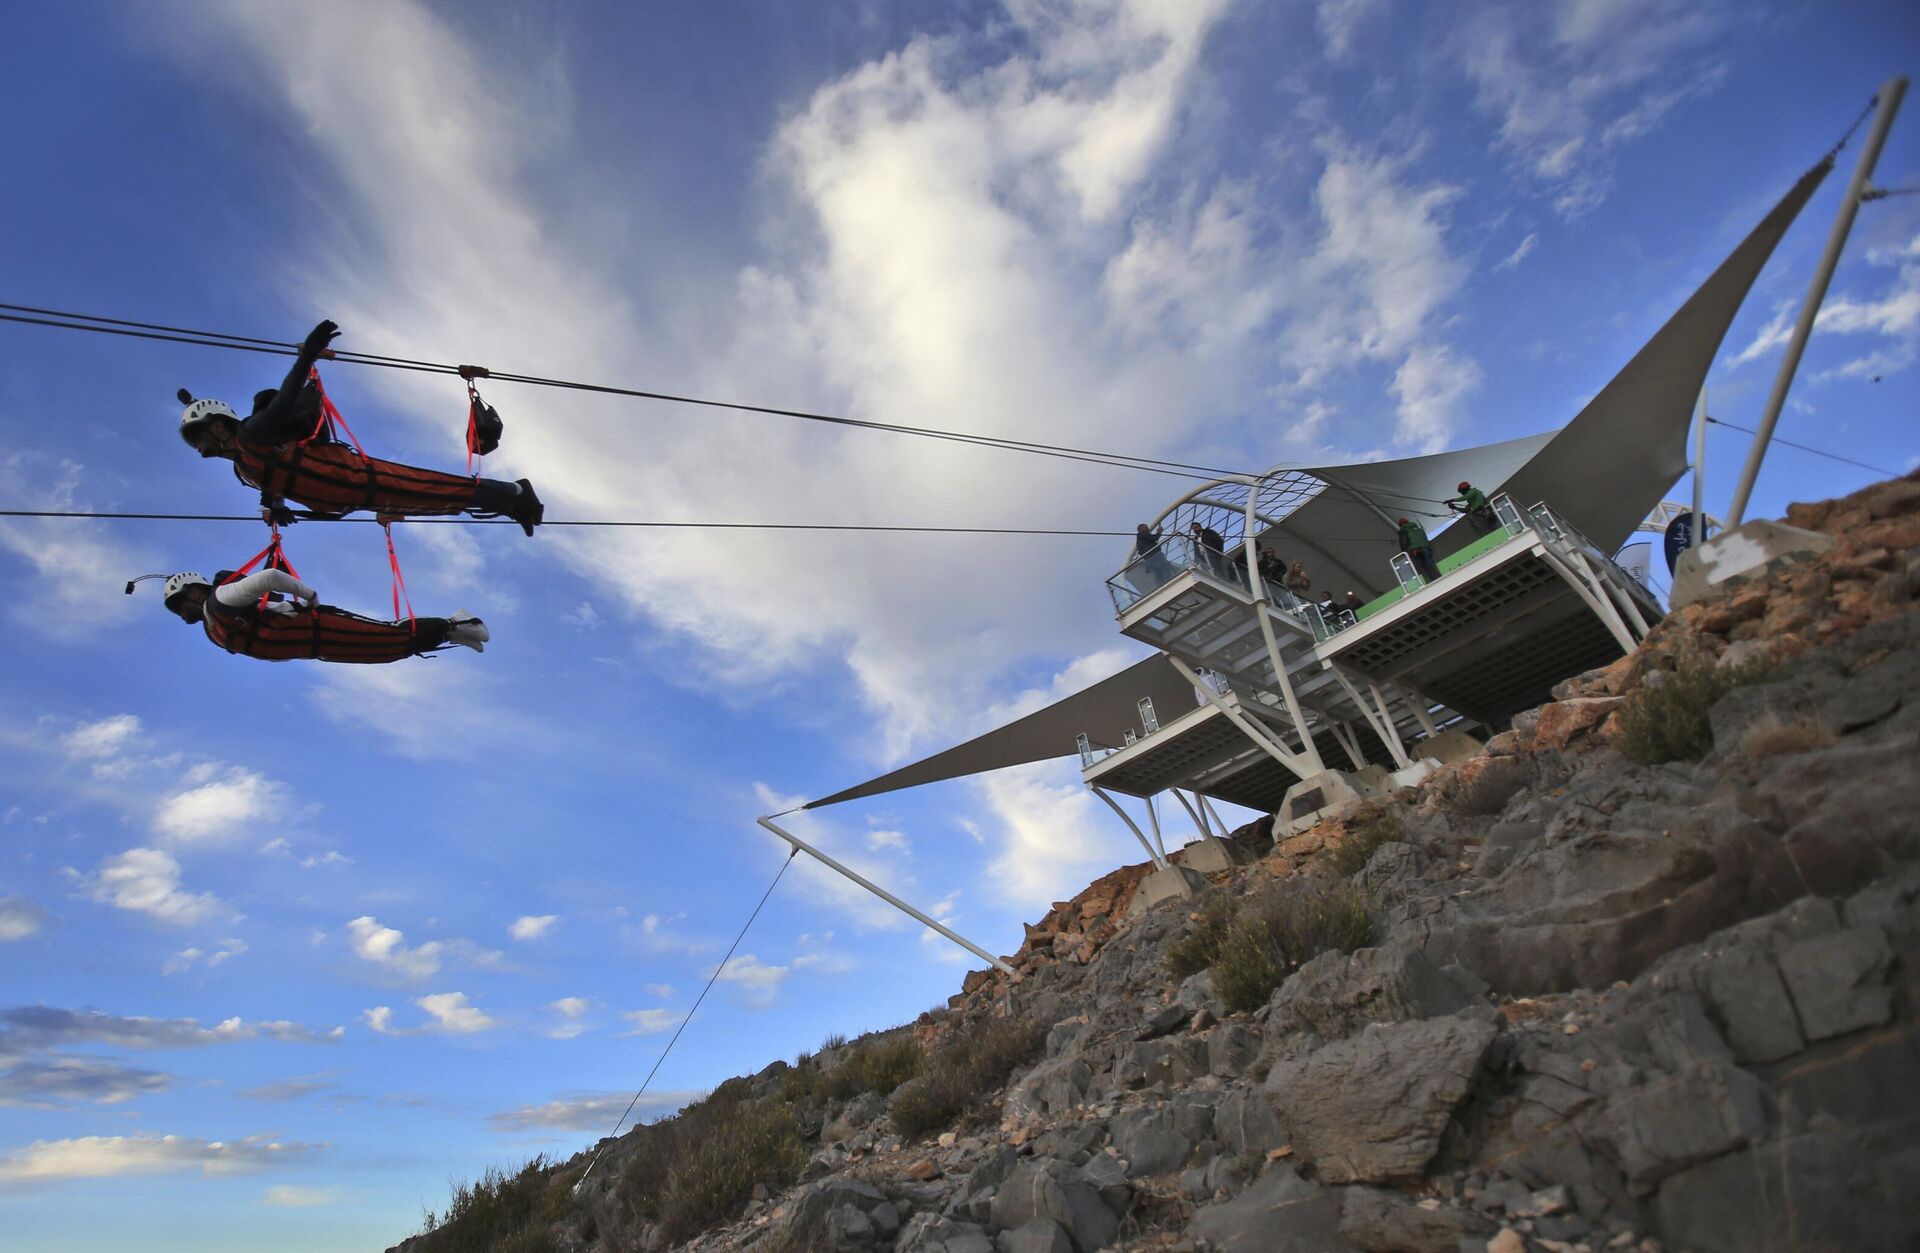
[[801, 845]]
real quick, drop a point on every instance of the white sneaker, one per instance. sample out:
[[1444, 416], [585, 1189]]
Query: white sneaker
[[468, 631]]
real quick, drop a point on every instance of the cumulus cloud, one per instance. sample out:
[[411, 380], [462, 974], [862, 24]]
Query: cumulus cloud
[[532, 927], [447, 1013], [288, 1089], [386, 948], [147, 881], [188, 958], [20, 918], [571, 1012], [45, 1083], [755, 978], [107, 1157], [1892, 317], [53, 603], [426, 713], [587, 1111], [216, 808], [651, 1021]]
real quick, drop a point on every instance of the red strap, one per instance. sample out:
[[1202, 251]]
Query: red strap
[[330, 418], [399, 580], [473, 420], [276, 559]]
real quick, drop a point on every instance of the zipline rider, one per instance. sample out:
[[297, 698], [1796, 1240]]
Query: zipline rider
[[246, 614], [287, 450]]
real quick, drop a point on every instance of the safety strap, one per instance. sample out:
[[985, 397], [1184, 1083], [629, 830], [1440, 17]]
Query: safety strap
[[276, 559], [399, 580], [330, 418], [473, 427]]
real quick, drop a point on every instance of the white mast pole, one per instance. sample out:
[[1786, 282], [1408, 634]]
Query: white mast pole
[[886, 896], [1699, 528], [1890, 93]]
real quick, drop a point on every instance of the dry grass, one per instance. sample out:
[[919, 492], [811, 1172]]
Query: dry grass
[[1364, 833], [1772, 735], [1288, 925], [961, 1073], [503, 1211], [1199, 948], [1669, 721], [697, 1169]]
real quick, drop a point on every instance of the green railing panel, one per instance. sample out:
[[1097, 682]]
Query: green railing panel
[[1474, 551]]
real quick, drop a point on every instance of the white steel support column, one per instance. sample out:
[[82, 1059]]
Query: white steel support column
[[1344, 733], [887, 896], [1394, 746], [1858, 189], [1262, 607], [1153, 818], [1192, 813], [1207, 809], [1159, 858], [1602, 609], [1418, 704], [1697, 530], [1259, 735], [1381, 727]]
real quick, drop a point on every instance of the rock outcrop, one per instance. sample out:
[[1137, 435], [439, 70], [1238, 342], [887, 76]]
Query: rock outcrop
[[1604, 1005]]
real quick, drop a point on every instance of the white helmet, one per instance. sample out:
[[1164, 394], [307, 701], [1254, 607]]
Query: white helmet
[[199, 412], [178, 583]]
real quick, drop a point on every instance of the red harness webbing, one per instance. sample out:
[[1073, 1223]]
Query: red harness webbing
[[276, 559], [473, 427], [330, 417], [399, 580]]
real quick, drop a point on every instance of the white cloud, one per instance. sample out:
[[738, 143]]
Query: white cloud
[[105, 738], [1570, 84], [1055, 835], [447, 1012], [569, 1006], [20, 918], [532, 927], [331, 859], [52, 602], [1340, 20], [757, 979], [293, 1196], [386, 948], [883, 840], [426, 712], [583, 617], [1520, 253], [587, 1111], [278, 846], [651, 1021], [106, 1157], [1893, 317], [239, 800], [451, 1013], [187, 958], [661, 990], [1430, 386], [572, 1011], [147, 881]]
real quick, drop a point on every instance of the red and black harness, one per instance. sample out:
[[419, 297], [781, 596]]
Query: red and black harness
[[317, 632]]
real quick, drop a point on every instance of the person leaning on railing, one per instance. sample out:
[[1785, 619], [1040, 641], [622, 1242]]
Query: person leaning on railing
[[1297, 581], [1413, 541], [1472, 503]]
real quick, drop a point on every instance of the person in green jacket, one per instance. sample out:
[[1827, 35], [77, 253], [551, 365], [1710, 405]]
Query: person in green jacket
[[1472, 502], [1413, 541]]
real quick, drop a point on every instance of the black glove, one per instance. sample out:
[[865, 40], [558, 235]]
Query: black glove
[[277, 513], [318, 339]]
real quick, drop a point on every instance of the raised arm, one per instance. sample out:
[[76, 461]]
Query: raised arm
[[284, 418]]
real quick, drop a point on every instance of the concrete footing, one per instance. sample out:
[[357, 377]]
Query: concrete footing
[[1739, 554], [1448, 747], [1172, 883], [1313, 798], [1371, 781], [1210, 855]]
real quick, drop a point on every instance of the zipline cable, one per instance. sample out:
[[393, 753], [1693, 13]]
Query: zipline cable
[[1818, 452], [586, 522], [689, 1018], [64, 320]]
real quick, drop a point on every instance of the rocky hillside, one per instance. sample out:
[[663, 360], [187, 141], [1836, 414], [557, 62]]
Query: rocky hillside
[[1643, 975]]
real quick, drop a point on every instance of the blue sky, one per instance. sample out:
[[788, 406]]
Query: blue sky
[[285, 947]]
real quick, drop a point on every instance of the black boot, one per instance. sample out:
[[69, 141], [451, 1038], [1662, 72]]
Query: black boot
[[527, 508]]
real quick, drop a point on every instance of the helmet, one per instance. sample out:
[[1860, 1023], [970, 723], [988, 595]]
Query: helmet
[[199, 412], [178, 583], [1403, 522], [1464, 485]]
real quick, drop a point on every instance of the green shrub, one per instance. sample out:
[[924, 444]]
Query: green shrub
[[1285, 927], [508, 1211], [759, 1142], [1669, 721], [1364, 833], [970, 1065], [878, 1066], [1200, 946]]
